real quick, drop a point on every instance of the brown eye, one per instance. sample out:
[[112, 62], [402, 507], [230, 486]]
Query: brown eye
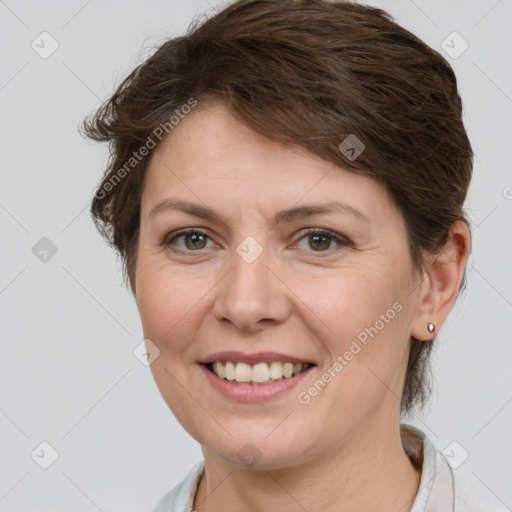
[[194, 240], [197, 241], [321, 240]]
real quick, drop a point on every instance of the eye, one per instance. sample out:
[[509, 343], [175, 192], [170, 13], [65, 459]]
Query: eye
[[194, 239], [321, 239]]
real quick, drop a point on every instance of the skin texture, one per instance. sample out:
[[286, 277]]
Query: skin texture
[[311, 299]]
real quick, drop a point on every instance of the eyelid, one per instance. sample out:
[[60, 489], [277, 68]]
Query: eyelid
[[339, 239], [174, 234], [186, 231]]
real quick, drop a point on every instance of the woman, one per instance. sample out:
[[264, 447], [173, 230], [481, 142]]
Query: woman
[[286, 191]]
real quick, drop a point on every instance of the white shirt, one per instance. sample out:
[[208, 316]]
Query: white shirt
[[439, 489]]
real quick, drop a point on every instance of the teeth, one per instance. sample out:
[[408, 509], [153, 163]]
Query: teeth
[[276, 370], [219, 370], [259, 373], [229, 370], [288, 370], [243, 372]]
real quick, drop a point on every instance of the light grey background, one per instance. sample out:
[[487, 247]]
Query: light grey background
[[68, 374]]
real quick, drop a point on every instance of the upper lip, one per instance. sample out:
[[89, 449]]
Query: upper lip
[[259, 357]]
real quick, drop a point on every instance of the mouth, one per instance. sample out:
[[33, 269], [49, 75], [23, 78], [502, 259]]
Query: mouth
[[254, 378], [261, 373]]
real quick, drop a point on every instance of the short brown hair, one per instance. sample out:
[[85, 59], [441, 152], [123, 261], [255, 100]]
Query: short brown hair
[[310, 73]]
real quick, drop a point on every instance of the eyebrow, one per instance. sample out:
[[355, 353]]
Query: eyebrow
[[289, 215]]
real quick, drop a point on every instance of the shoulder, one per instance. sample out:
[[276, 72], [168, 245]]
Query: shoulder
[[468, 499], [441, 487], [181, 497], [453, 490]]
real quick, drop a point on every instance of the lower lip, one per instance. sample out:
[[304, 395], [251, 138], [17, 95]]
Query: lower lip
[[253, 392]]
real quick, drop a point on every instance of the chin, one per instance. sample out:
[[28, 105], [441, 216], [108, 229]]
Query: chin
[[257, 449]]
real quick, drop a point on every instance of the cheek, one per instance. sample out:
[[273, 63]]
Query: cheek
[[360, 319], [168, 302], [347, 302]]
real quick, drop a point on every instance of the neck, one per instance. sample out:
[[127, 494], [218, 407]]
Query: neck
[[357, 475]]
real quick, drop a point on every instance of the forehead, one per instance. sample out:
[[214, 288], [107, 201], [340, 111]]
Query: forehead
[[213, 158]]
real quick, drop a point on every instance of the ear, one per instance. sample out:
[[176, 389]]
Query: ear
[[441, 282]]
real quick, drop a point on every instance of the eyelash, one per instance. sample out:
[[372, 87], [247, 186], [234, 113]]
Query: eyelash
[[168, 240]]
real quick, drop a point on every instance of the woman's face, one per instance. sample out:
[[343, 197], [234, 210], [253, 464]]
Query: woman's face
[[266, 293]]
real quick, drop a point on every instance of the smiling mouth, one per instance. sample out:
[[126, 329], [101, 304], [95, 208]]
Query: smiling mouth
[[259, 373]]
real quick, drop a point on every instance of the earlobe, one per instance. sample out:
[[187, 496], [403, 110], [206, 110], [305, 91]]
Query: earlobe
[[441, 282]]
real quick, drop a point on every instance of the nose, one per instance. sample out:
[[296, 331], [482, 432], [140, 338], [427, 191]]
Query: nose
[[252, 295]]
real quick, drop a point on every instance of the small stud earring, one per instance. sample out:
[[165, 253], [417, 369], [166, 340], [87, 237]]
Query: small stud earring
[[431, 327]]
